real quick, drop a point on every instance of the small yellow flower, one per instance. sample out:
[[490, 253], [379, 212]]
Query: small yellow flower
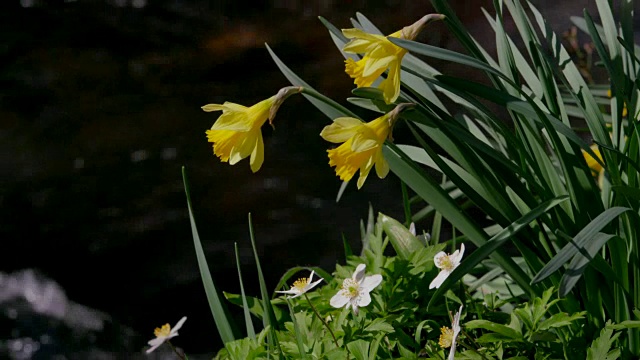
[[446, 337], [362, 145], [238, 131], [164, 333], [301, 286], [449, 336], [380, 54]]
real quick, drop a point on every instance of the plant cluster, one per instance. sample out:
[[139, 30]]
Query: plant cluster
[[554, 265]]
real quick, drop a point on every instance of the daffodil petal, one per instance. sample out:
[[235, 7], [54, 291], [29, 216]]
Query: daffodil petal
[[376, 66], [362, 179], [358, 46], [391, 85], [233, 121], [357, 33], [257, 155], [341, 129], [382, 166], [213, 107]]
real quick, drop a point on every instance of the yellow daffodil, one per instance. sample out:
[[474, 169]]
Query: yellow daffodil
[[362, 145], [594, 165], [238, 131], [380, 54]]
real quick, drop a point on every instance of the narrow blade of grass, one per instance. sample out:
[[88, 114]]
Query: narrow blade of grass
[[218, 308], [251, 332]]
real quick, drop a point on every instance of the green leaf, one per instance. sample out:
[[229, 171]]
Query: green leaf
[[503, 330], [494, 243], [251, 332], [359, 349], [326, 105], [269, 320], [600, 347], [218, 308], [560, 320], [579, 241], [443, 54], [579, 263], [379, 325]]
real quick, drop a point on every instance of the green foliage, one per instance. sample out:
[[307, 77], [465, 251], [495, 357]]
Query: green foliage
[[501, 161]]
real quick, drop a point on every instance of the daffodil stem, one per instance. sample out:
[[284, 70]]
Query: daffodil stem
[[181, 356], [322, 319]]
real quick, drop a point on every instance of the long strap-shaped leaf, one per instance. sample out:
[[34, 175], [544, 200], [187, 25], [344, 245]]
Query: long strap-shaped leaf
[[494, 243], [579, 242], [431, 191], [218, 308]]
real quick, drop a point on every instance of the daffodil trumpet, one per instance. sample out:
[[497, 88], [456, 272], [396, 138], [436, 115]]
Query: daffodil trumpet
[[380, 55], [237, 133]]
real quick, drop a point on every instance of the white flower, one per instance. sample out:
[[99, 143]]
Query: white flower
[[449, 336], [446, 264], [301, 286], [355, 290], [165, 333]]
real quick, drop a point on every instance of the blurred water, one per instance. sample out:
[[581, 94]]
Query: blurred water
[[99, 110]]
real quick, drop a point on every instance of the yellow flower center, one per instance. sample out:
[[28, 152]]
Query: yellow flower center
[[446, 337], [351, 287], [445, 263], [163, 331], [300, 284]]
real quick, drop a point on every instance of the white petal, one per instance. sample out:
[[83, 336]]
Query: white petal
[[359, 273], [338, 300], [290, 292], [157, 341], [412, 229], [312, 285], [154, 347], [296, 295], [437, 258], [459, 257], [364, 299], [180, 323], [370, 282], [438, 280]]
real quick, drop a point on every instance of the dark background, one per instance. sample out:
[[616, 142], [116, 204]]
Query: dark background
[[99, 110]]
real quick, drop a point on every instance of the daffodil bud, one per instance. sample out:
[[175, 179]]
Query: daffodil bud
[[411, 32], [402, 240], [280, 97]]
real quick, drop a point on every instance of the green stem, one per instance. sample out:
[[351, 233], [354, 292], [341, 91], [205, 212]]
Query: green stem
[[181, 356], [323, 321]]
